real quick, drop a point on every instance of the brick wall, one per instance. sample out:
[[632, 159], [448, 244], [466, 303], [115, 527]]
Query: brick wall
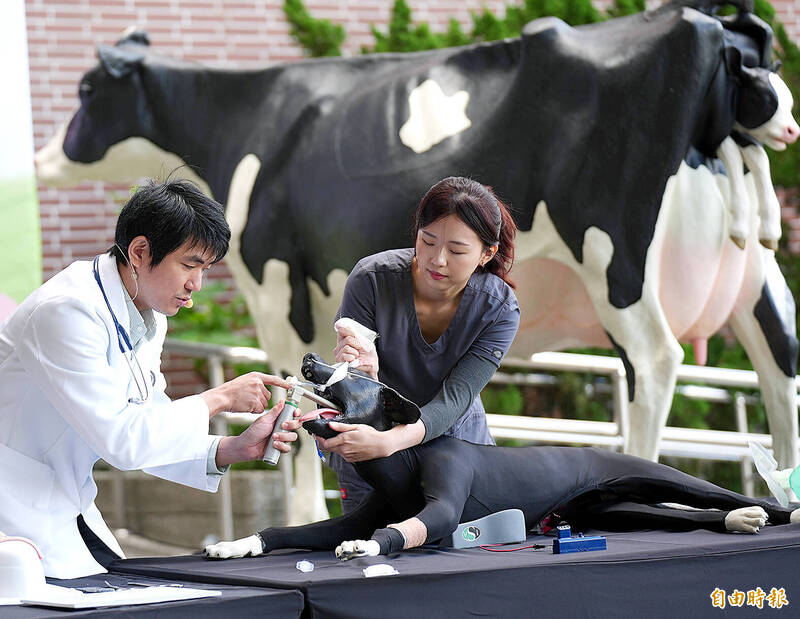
[[788, 12], [62, 38]]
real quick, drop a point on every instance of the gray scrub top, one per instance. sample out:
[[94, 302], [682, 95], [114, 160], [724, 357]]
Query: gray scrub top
[[379, 294]]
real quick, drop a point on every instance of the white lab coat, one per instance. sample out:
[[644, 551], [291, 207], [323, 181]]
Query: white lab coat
[[64, 403]]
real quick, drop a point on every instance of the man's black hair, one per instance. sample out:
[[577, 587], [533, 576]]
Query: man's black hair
[[168, 214]]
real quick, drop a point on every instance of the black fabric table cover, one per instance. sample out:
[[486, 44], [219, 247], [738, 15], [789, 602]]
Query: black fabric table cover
[[653, 574], [234, 602]]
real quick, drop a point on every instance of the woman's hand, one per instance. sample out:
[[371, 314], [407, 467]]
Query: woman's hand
[[358, 442], [350, 347], [252, 443]]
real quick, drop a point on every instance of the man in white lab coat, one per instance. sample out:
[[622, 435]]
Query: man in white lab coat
[[80, 380]]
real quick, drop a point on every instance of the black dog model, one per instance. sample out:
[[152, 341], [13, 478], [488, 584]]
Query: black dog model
[[421, 494], [362, 400]]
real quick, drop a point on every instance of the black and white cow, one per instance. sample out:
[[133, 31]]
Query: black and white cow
[[601, 138]]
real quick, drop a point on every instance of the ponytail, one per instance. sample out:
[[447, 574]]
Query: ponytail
[[503, 260]]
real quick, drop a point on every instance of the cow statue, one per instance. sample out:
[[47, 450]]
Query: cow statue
[[603, 138]]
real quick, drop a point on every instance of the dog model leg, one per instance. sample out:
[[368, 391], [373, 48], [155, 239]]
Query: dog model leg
[[412, 533], [627, 516], [324, 535], [637, 491]]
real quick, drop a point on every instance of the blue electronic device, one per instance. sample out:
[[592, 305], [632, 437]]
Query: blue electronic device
[[565, 543]]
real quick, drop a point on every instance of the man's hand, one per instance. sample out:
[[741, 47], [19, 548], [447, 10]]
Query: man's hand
[[357, 548], [350, 346], [245, 547], [252, 443], [244, 394]]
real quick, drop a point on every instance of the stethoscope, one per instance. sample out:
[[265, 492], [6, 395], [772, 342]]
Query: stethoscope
[[123, 340]]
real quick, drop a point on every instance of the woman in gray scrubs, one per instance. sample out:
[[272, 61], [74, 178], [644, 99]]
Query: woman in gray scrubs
[[445, 314]]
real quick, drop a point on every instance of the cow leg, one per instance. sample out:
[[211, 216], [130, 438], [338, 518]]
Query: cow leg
[[769, 209], [764, 322], [269, 304], [739, 209], [642, 337], [651, 355]]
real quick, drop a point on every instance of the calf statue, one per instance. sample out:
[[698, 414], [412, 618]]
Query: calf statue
[[603, 138], [421, 494]]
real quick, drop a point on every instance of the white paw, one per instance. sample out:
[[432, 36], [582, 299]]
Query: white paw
[[794, 517], [247, 546], [746, 519], [357, 548]]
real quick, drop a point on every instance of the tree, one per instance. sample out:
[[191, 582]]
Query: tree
[[321, 37], [318, 37]]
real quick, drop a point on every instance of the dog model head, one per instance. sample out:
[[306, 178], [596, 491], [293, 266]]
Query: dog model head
[[362, 400]]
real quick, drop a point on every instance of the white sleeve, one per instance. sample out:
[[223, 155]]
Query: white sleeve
[[190, 474], [66, 348]]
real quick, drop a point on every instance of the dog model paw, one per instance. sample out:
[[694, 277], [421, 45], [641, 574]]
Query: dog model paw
[[746, 519], [245, 547], [358, 548]]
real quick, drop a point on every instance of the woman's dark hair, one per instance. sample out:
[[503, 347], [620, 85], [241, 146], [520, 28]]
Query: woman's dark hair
[[168, 215], [478, 207]]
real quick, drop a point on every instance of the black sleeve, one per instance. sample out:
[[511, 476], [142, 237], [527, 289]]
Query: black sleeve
[[458, 392]]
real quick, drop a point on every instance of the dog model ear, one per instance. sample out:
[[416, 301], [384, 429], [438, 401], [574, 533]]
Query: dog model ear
[[119, 61], [398, 408]]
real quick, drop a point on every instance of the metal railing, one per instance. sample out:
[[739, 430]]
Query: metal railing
[[675, 441], [217, 355], [687, 442]]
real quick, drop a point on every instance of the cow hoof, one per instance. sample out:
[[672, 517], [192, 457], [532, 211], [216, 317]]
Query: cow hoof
[[739, 240], [769, 244]]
